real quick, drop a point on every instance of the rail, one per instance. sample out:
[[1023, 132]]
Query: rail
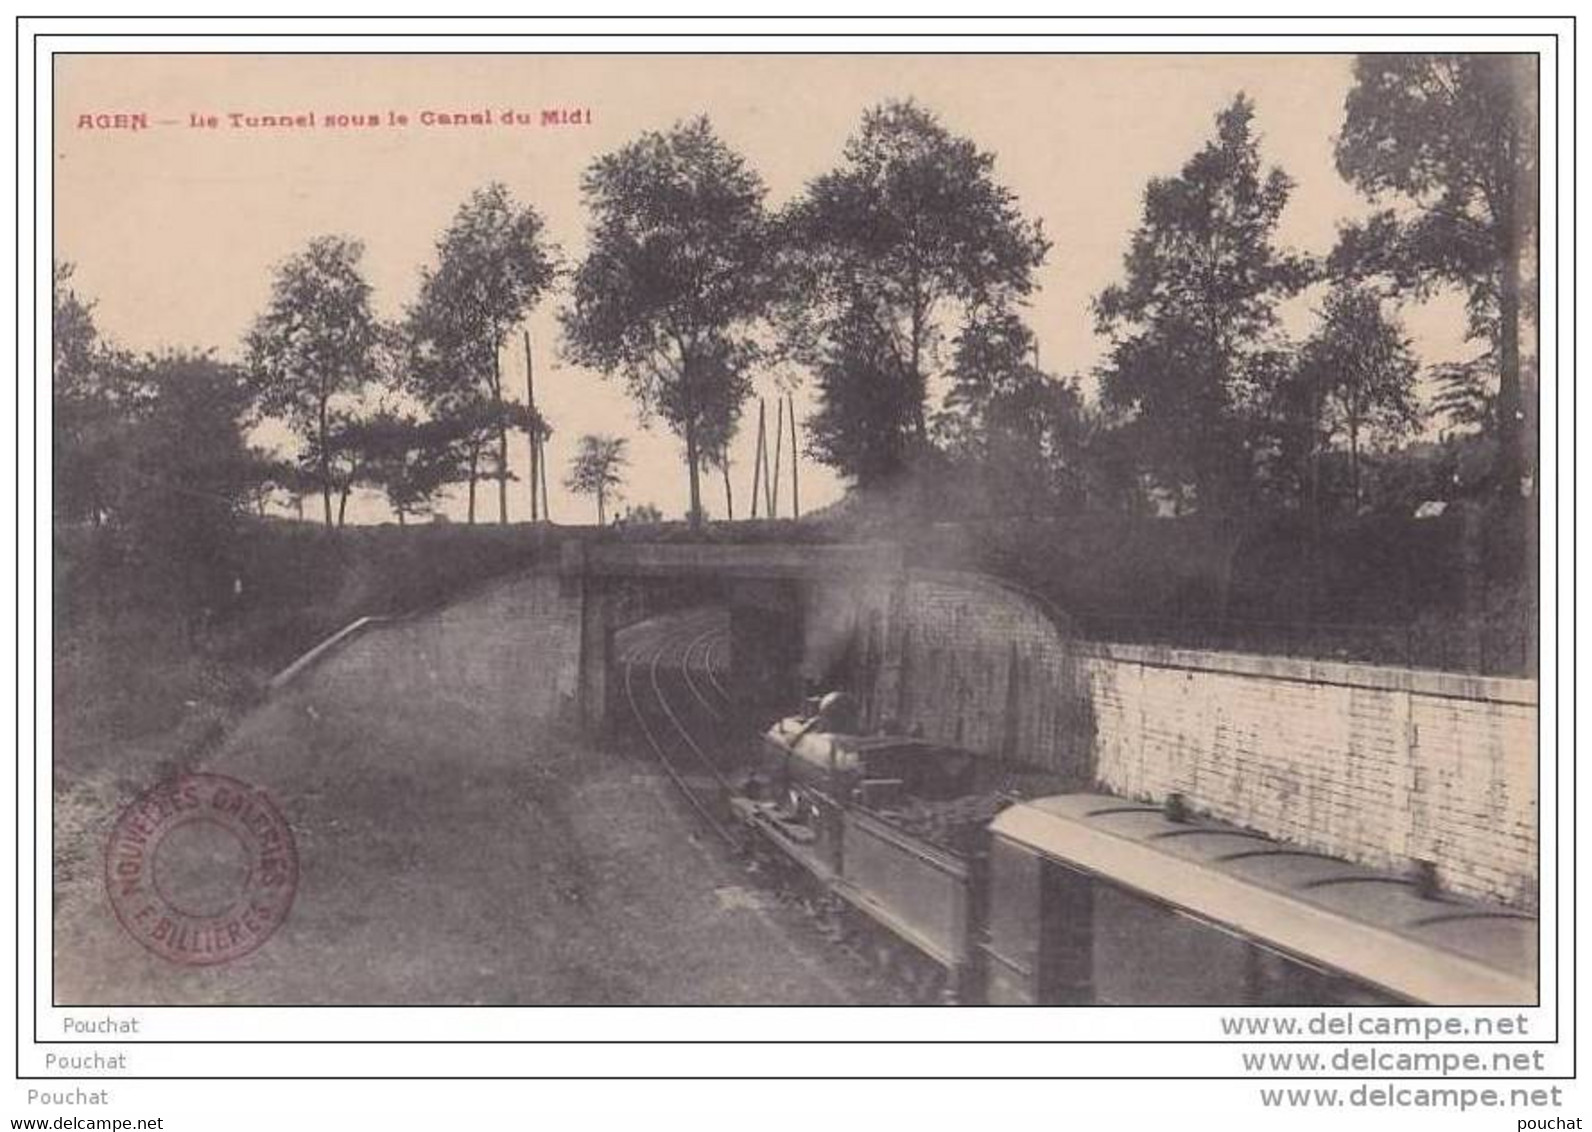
[[652, 657]]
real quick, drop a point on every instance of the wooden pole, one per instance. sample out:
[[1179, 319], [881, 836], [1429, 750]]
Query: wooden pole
[[795, 491], [758, 456], [541, 457], [534, 433], [779, 451]]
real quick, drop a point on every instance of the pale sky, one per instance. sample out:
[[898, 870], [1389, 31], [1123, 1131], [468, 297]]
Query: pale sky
[[175, 230]]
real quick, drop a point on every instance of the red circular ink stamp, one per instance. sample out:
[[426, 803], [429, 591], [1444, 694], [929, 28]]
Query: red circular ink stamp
[[201, 869]]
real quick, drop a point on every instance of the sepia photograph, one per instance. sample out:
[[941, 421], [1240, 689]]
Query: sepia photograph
[[949, 530]]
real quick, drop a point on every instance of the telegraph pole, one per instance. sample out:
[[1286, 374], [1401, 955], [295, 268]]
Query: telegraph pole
[[541, 457], [535, 434], [759, 457], [779, 447], [795, 496]]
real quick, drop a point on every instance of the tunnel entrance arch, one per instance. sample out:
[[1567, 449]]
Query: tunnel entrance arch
[[962, 658], [763, 587]]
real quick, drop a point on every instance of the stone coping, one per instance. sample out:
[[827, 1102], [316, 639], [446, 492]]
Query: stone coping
[[321, 651], [1348, 674], [813, 561]]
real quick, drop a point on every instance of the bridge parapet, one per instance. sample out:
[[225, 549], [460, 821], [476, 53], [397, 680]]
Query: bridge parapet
[[763, 561]]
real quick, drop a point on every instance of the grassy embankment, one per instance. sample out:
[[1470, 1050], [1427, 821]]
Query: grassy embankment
[[145, 684]]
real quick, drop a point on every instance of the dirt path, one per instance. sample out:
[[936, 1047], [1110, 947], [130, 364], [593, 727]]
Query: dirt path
[[452, 857]]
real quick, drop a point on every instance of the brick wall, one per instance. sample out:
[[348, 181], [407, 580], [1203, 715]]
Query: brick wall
[[1379, 765], [513, 648]]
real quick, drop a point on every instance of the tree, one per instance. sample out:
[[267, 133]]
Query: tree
[[1358, 375], [676, 279], [643, 513], [90, 391], [1453, 137], [74, 339], [1014, 429], [274, 475], [865, 425], [1193, 325], [185, 477], [719, 418], [1463, 397], [493, 264], [312, 352], [911, 223], [716, 455], [597, 469], [409, 460]]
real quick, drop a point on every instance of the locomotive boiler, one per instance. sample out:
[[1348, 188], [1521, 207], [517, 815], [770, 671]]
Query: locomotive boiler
[[893, 825]]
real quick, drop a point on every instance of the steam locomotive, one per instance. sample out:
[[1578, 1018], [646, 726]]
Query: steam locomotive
[[1010, 896]]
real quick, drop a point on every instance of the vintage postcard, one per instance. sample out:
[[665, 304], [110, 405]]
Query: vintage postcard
[[1038, 527]]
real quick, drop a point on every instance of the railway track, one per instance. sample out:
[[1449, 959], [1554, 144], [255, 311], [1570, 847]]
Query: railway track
[[672, 671], [672, 676]]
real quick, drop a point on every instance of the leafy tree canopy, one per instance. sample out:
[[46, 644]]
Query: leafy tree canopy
[[1356, 377], [313, 350], [1193, 324], [676, 278], [494, 263], [912, 222], [598, 469], [1452, 139]]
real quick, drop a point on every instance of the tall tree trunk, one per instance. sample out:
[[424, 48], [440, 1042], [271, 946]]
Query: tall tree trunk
[[919, 391], [1319, 442], [1511, 436], [503, 473], [692, 454], [326, 465], [1354, 460], [503, 435], [400, 511], [729, 499], [602, 513], [1317, 407], [691, 468], [475, 461], [1515, 186], [920, 417], [342, 504]]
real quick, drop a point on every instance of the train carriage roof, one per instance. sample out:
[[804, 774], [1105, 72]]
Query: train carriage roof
[[1373, 926]]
